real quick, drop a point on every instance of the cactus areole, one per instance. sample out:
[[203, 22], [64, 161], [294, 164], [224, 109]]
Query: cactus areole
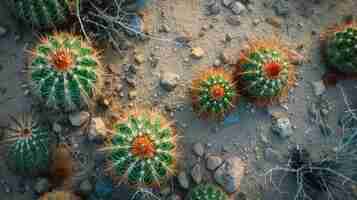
[[143, 149]]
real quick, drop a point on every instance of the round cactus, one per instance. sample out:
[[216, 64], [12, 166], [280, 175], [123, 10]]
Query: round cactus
[[143, 149], [207, 192], [64, 72], [265, 70], [42, 14], [29, 154], [341, 48], [213, 92], [59, 195]]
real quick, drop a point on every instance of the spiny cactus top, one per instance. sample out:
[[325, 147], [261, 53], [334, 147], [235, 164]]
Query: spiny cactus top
[[59, 195], [43, 13], [207, 192], [341, 49], [29, 154], [143, 149], [64, 72], [213, 92]]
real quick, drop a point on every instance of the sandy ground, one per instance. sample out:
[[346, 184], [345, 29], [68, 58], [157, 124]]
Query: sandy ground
[[187, 17]]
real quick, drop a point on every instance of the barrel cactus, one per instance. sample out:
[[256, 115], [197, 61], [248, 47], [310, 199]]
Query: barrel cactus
[[213, 92], [59, 195], [29, 153], [143, 149], [64, 72], [341, 48], [265, 70], [207, 192], [43, 14]]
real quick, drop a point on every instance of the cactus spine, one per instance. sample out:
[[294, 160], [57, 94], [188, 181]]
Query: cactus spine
[[207, 192], [143, 149], [64, 72]]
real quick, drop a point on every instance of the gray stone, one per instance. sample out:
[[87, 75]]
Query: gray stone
[[229, 175], [213, 162], [227, 3], [238, 8], [318, 87], [196, 173], [217, 63], [78, 119], [85, 187], [214, 9], [233, 20], [97, 131], [282, 127], [183, 180], [198, 149], [169, 80], [281, 7], [42, 186]]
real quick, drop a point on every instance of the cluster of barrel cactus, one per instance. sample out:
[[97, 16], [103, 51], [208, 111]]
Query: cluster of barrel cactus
[[213, 92], [59, 195], [43, 14], [341, 48], [142, 150], [30, 151], [207, 192], [64, 72]]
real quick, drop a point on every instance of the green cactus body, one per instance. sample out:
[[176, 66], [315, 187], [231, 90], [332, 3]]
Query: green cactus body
[[265, 73], [42, 13], [64, 72], [143, 150], [341, 50], [207, 192], [30, 153]]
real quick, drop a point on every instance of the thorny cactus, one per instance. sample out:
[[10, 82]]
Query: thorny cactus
[[43, 14], [213, 93], [143, 149], [341, 48], [29, 154], [59, 195], [207, 192], [265, 69], [65, 72]]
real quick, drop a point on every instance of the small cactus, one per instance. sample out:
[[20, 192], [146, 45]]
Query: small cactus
[[265, 69], [207, 192], [341, 48], [59, 195], [213, 92], [29, 154], [143, 149], [43, 14], [64, 72]]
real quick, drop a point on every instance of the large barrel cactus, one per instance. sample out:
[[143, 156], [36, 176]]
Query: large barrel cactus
[[29, 153], [207, 192], [59, 195], [64, 72], [42, 13], [341, 48], [213, 92], [142, 150]]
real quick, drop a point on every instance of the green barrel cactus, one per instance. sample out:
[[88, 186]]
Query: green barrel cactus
[[207, 192], [265, 72], [341, 49], [213, 92], [42, 13], [142, 150], [64, 72], [29, 153]]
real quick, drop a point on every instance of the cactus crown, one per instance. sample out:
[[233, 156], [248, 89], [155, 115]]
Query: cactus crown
[[30, 152], [143, 149], [265, 72], [214, 92], [207, 192], [342, 49], [43, 14], [65, 72]]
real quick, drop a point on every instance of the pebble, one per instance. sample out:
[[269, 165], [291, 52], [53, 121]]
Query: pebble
[[42, 186], [133, 94], [77, 119], [164, 28], [282, 127], [56, 127], [318, 87], [197, 52], [238, 8], [229, 56], [97, 131], [274, 21], [169, 80], [213, 162], [233, 20], [183, 180], [214, 9], [139, 58], [199, 149], [217, 63], [281, 7], [227, 3], [196, 174], [230, 173]]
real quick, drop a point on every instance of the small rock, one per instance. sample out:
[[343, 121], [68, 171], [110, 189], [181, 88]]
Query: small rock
[[139, 58], [183, 180], [238, 8], [272, 155], [233, 20], [77, 119], [214, 9], [281, 7], [229, 56], [319, 87], [169, 80], [227, 3], [197, 52], [85, 187], [42, 186], [196, 173], [133, 94], [282, 127], [198, 149], [3, 31], [217, 63], [56, 127], [97, 131], [164, 28], [274, 21], [213, 162], [229, 175]]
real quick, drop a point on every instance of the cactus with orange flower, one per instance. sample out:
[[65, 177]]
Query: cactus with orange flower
[[142, 149], [213, 92], [64, 72]]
